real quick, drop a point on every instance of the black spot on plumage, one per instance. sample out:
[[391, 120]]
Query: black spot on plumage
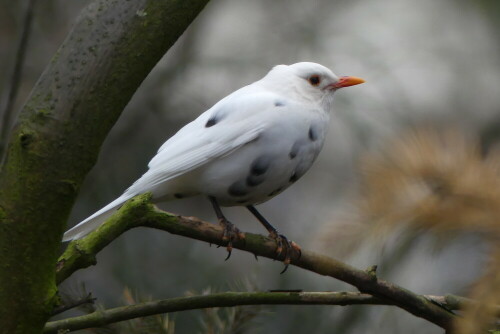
[[294, 177], [218, 115], [254, 180], [177, 195], [295, 149], [275, 192], [238, 189], [260, 165], [300, 170], [313, 133], [279, 104], [212, 121]]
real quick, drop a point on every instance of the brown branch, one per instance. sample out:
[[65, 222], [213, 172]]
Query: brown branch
[[454, 302], [88, 299], [139, 212], [228, 299], [225, 299]]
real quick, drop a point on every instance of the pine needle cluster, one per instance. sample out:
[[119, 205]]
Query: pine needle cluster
[[440, 181]]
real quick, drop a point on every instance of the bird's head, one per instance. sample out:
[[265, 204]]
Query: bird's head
[[311, 81]]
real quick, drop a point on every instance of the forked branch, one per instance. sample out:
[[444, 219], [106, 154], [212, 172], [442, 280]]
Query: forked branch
[[140, 212], [224, 299]]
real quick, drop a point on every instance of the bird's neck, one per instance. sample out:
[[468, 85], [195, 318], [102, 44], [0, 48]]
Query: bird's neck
[[327, 102]]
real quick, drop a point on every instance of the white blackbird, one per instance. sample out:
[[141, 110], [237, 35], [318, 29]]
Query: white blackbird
[[246, 149]]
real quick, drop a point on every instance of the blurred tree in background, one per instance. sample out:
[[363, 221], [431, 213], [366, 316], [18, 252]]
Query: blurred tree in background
[[427, 64]]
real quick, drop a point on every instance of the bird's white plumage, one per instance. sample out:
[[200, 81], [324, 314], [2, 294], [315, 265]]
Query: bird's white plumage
[[247, 148]]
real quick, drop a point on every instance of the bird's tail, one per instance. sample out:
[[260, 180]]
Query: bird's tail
[[94, 221]]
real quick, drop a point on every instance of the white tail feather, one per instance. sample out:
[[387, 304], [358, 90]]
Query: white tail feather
[[94, 221]]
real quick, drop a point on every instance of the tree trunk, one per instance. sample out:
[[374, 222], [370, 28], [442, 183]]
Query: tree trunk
[[74, 104]]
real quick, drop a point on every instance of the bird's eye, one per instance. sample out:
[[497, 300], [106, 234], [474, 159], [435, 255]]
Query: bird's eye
[[314, 80]]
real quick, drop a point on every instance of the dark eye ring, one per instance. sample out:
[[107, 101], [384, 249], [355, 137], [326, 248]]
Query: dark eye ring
[[314, 80]]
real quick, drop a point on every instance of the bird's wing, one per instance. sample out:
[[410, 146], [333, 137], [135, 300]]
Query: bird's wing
[[236, 121]]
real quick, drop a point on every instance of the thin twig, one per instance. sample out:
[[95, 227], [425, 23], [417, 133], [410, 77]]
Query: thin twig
[[85, 300], [139, 212], [454, 302], [16, 77], [225, 299]]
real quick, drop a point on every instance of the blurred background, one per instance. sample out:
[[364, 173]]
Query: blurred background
[[426, 63]]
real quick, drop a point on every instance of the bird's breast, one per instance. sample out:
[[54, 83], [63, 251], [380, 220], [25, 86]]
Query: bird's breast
[[264, 167]]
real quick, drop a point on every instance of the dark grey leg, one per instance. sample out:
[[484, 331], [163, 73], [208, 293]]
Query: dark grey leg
[[282, 242], [230, 232]]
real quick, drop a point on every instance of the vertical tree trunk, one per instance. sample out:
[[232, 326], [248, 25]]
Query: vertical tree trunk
[[78, 98]]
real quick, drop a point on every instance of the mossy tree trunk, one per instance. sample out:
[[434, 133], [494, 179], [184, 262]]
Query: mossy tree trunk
[[74, 104]]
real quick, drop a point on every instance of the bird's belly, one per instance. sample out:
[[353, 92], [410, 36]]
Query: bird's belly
[[257, 172]]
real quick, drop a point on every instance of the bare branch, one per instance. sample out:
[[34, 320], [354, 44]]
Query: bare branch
[[140, 212], [228, 299], [88, 299], [454, 302], [225, 299]]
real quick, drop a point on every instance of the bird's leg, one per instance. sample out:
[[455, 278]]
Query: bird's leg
[[230, 232], [282, 242]]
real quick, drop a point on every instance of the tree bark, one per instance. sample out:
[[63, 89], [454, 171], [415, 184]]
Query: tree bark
[[74, 104]]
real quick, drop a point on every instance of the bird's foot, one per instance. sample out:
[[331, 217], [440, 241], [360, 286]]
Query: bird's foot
[[286, 247], [230, 233]]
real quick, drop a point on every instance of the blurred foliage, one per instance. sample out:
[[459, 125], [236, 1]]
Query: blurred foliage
[[226, 320], [438, 180], [71, 295], [157, 324], [433, 179], [230, 320]]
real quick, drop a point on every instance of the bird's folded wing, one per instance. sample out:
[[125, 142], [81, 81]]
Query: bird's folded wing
[[196, 144], [168, 165]]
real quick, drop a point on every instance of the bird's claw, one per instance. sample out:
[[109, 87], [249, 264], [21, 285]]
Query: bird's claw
[[286, 247], [296, 248], [230, 233]]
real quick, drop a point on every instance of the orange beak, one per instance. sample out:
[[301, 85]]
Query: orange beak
[[346, 82]]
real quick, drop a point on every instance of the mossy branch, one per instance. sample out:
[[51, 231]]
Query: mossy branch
[[140, 212], [224, 299]]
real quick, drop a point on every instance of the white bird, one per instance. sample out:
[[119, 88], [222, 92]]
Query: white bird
[[246, 149]]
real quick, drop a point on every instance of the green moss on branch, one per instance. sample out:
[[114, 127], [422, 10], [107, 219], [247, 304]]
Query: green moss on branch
[[138, 212]]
